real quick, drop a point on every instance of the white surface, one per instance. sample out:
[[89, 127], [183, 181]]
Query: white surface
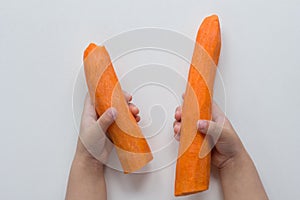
[[41, 46]]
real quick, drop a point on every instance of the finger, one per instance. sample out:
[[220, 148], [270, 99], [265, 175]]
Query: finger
[[213, 132], [211, 128], [178, 113], [137, 118], [176, 122], [176, 128], [107, 118], [178, 108], [89, 109], [177, 136], [127, 96], [133, 109]]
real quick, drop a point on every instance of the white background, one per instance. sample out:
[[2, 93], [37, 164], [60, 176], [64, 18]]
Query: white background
[[41, 45]]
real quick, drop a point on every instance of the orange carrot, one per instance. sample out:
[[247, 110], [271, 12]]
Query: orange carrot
[[105, 92], [192, 172]]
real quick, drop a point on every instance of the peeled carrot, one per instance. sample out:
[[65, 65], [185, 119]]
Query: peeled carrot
[[193, 172], [105, 92]]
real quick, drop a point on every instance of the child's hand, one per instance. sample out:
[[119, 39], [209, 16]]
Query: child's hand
[[222, 135], [93, 144]]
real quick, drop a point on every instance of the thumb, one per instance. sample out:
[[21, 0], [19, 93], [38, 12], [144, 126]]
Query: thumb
[[212, 132], [107, 118]]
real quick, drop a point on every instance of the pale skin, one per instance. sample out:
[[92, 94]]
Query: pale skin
[[239, 177]]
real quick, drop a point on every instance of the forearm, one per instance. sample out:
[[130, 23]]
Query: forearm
[[86, 180], [240, 179]]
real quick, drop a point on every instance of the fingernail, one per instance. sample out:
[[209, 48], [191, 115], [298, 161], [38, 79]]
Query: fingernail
[[201, 124], [114, 113]]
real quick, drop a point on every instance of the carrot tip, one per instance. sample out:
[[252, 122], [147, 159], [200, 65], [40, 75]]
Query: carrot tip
[[209, 36], [213, 17], [89, 49]]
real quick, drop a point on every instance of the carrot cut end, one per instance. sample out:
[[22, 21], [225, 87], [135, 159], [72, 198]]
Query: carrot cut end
[[178, 194]]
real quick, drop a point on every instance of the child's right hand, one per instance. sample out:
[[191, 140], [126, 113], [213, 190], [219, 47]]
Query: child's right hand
[[228, 147]]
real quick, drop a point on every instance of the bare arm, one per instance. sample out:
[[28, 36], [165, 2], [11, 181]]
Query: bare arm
[[240, 179], [86, 180]]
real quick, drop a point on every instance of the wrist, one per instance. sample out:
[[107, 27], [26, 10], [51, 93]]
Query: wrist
[[240, 159], [88, 162], [83, 157]]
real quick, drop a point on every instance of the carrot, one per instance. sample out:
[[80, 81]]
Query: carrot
[[192, 172], [105, 91]]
